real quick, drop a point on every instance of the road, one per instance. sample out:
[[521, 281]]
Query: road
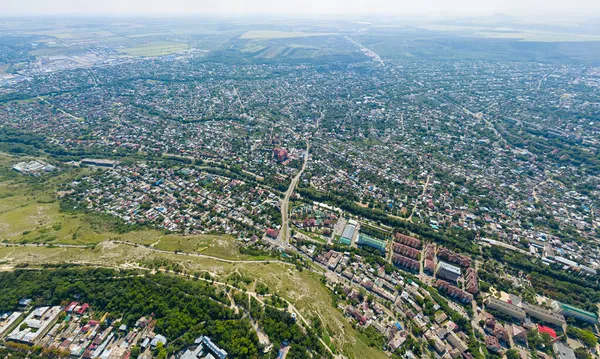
[[370, 53], [417, 201], [542, 80], [284, 235], [505, 245], [60, 109]]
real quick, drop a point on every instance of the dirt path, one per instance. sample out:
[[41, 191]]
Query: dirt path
[[112, 242]]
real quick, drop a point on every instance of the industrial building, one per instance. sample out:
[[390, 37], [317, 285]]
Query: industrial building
[[348, 234], [35, 325], [34, 168], [99, 162]]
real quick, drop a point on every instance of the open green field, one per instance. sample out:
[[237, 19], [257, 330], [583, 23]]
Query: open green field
[[34, 217], [253, 46], [155, 48], [273, 34], [211, 245], [75, 34]]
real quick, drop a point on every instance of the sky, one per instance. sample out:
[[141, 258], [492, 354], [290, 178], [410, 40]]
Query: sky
[[301, 7]]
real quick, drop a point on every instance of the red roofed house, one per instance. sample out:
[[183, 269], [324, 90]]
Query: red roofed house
[[71, 306], [548, 330], [83, 308], [272, 233], [280, 154]]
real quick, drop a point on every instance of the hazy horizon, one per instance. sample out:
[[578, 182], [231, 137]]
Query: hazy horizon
[[427, 8]]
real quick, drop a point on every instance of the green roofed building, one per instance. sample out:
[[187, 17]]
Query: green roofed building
[[346, 241], [574, 312], [371, 242]]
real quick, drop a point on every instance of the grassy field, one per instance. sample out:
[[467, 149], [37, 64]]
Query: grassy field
[[35, 217], [273, 34], [253, 47], [155, 48], [212, 245], [29, 211], [58, 33]]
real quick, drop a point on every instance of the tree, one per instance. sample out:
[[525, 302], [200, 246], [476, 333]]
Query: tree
[[512, 354], [582, 353], [162, 354], [588, 338], [135, 352], [546, 339]]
